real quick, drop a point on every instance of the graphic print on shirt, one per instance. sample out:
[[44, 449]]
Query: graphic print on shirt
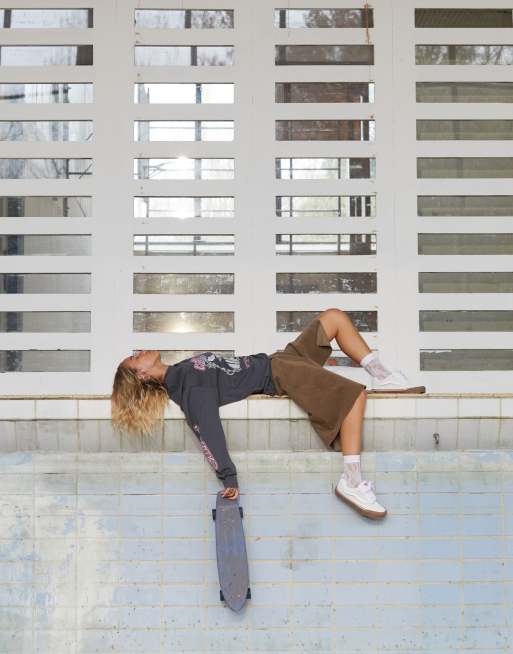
[[230, 366], [210, 457], [206, 451]]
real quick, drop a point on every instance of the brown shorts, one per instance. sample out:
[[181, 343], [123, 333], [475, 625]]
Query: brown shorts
[[298, 372]]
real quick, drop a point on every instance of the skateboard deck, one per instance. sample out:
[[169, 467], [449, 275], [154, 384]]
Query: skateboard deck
[[232, 559]]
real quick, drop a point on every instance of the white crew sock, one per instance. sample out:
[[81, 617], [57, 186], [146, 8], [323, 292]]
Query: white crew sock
[[373, 366], [352, 473]]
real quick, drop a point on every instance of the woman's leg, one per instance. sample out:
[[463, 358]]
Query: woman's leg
[[338, 325], [351, 428]]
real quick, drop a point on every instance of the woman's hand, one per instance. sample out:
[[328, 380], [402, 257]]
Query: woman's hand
[[231, 493]]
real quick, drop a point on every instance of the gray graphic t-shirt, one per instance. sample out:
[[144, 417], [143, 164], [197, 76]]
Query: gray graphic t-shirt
[[203, 383]]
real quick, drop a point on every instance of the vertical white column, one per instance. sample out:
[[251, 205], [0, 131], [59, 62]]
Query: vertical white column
[[112, 201], [397, 173]]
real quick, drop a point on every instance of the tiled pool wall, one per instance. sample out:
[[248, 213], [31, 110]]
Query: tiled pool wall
[[107, 540], [105, 552]]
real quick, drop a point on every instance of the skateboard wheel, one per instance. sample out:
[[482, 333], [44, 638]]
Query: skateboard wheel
[[241, 512], [248, 594], [213, 514]]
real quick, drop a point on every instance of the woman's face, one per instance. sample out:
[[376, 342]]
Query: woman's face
[[142, 362]]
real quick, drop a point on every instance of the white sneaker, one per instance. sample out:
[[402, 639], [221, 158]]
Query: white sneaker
[[361, 498], [396, 382]]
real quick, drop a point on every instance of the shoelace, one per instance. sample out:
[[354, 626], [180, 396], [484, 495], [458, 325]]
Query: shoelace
[[367, 486]]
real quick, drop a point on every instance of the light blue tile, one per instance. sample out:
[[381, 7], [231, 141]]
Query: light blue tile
[[311, 526], [396, 571], [483, 570], [269, 504], [485, 616], [439, 525], [191, 617], [21, 459], [396, 482], [141, 482], [141, 640], [448, 503], [439, 571], [271, 594], [140, 571], [97, 483], [183, 549], [312, 549], [440, 593], [351, 572], [361, 617], [267, 526], [483, 593], [310, 616], [395, 461], [316, 503], [405, 503], [16, 572], [143, 504], [347, 594], [397, 616], [270, 617], [441, 638], [142, 550], [184, 640], [270, 571], [487, 481], [315, 594], [439, 548], [438, 482], [263, 548], [140, 526], [92, 640], [484, 548], [323, 571], [348, 548], [183, 594], [481, 525], [184, 526], [404, 593], [184, 482], [397, 548], [309, 482], [16, 596], [397, 525], [138, 617], [139, 594], [440, 616], [268, 640], [184, 572], [481, 502], [303, 640], [484, 638], [359, 640], [217, 617]]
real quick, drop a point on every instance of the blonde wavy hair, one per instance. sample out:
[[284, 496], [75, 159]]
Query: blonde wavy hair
[[136, 405]]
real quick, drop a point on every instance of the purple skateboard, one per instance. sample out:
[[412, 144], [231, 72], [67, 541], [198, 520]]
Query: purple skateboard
[[232, 559]]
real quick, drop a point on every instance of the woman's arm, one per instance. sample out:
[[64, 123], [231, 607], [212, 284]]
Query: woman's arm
[[202, 414]]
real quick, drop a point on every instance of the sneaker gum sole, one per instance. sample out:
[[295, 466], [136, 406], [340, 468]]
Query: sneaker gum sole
[[413, 389], [369, 514]]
